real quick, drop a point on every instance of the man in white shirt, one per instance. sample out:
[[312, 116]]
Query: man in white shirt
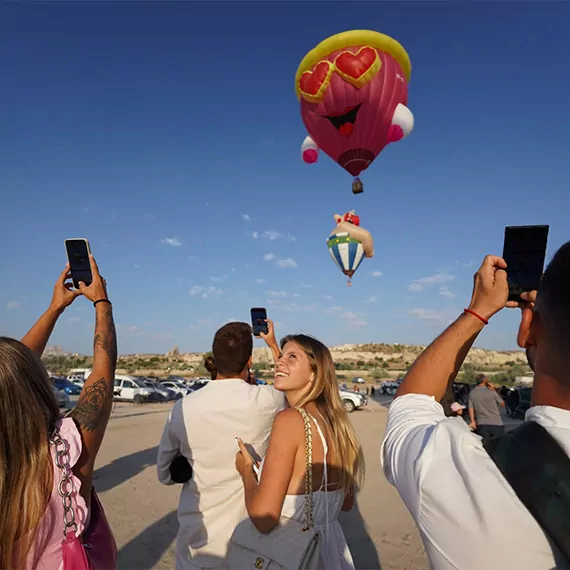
[[436, 463], [202, 427]]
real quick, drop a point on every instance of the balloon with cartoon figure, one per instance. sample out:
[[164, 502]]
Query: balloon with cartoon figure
[[353, 89], [349, 244]]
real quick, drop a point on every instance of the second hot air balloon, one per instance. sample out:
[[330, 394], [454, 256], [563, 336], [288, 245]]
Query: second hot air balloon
[[353, 89]]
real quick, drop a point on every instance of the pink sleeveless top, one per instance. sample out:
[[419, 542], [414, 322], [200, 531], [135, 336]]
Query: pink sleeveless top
[[45, 553]]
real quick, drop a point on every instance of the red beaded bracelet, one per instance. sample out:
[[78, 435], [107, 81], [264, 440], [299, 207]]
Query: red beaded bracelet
[[470, 312]]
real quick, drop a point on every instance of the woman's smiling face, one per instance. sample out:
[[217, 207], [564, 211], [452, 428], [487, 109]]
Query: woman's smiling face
[[293, 370]]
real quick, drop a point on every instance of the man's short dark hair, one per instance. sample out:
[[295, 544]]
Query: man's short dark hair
[[553, 301], [481, 379], [232, 348]]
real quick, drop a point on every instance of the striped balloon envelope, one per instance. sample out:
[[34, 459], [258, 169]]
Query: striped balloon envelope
[[346, 252]]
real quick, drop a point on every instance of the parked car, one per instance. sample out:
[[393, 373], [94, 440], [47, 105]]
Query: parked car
[[389, 387], [61, 397], [352, 400], [62, 383], [159, 392], [130, 389], [177, 387], [77, 379], [518, 402], [178, 379], [358, 380]]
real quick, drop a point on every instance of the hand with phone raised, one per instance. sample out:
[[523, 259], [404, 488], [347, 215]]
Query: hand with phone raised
[[490, 287], [63, 292], [270, 339], [97, 290]]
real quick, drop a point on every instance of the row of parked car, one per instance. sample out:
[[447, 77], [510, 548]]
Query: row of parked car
[[128, 388], [142, 389]]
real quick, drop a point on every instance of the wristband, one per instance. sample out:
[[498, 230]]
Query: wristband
[[101, 301], [470, 312]]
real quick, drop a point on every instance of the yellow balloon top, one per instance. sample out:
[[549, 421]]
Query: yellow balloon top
[[355, 38]]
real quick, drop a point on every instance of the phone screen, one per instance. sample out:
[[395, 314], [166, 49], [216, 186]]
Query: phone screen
[[524, 251], [78, 257], [258, 318]]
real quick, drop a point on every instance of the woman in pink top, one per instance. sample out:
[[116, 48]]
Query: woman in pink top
[[31, 525]]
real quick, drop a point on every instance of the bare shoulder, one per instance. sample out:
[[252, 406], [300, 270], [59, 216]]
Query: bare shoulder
[[289, 420]]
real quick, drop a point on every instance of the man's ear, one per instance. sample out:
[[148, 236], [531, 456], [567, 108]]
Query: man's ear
[[529, 321], [250, 362]]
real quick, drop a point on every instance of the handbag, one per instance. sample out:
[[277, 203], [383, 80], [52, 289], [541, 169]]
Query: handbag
[[96, 548], [290, 545]]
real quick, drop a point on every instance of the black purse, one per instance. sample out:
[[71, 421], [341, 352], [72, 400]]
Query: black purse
[[180, 469]]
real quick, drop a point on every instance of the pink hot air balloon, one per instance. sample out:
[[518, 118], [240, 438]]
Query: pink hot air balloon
[[353, 89]]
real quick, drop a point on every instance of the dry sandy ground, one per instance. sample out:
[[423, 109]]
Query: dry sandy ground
[[142, 512]]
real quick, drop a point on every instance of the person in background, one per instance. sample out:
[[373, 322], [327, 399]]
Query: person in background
[[436, 463], [210, 366], [458, 410], [32, 521], [484, 410], [202, 427]]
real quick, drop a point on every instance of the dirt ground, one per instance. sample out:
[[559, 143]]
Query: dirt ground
[[142, 512]]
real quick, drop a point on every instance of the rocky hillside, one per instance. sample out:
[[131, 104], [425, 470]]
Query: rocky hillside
[[376, 360]]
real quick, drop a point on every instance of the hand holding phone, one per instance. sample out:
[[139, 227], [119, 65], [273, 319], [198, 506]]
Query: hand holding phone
[[78, 252], [258, 321], [524, 251], [254, 464]]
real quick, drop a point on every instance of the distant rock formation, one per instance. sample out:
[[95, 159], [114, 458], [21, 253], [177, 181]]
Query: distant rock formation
[[175, 352]]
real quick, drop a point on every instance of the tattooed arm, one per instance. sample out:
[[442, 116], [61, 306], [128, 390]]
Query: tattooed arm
[[91, 414]]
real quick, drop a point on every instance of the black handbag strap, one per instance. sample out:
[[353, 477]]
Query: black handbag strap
[[538, 470]]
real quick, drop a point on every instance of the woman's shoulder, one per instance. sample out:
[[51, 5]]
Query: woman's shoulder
[[288, 421]]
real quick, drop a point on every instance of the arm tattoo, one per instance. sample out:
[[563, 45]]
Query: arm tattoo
[[92, 408], [94, 405], [105, 340]]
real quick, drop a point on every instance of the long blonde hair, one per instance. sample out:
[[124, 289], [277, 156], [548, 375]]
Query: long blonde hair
[[28, 412], [347, 457]]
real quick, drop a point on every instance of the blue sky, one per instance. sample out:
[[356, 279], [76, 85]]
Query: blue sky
[[168, 133]]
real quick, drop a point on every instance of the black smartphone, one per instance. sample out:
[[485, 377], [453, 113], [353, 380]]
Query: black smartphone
[[524, 251], [78, 256], [258, 318]]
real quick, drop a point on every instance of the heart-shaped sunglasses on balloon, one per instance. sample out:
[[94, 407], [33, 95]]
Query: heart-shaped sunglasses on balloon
[[355, 68]]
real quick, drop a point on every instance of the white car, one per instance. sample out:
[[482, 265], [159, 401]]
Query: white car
[[130, 389], [77, 379], [352, 400]]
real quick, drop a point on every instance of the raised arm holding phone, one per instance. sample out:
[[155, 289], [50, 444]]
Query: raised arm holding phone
[[437, 463], [31, 533]]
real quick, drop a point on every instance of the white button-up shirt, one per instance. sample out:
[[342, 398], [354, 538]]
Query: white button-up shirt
[[468, 515], [202, 427]]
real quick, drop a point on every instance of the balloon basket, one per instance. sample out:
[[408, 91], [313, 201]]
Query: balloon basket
[[357, 186], [349, 283]]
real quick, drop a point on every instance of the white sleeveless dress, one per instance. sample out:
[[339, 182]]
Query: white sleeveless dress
[[334, 552]]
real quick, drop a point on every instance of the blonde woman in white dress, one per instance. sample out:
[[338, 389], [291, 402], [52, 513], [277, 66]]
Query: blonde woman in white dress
[[305, 372]]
